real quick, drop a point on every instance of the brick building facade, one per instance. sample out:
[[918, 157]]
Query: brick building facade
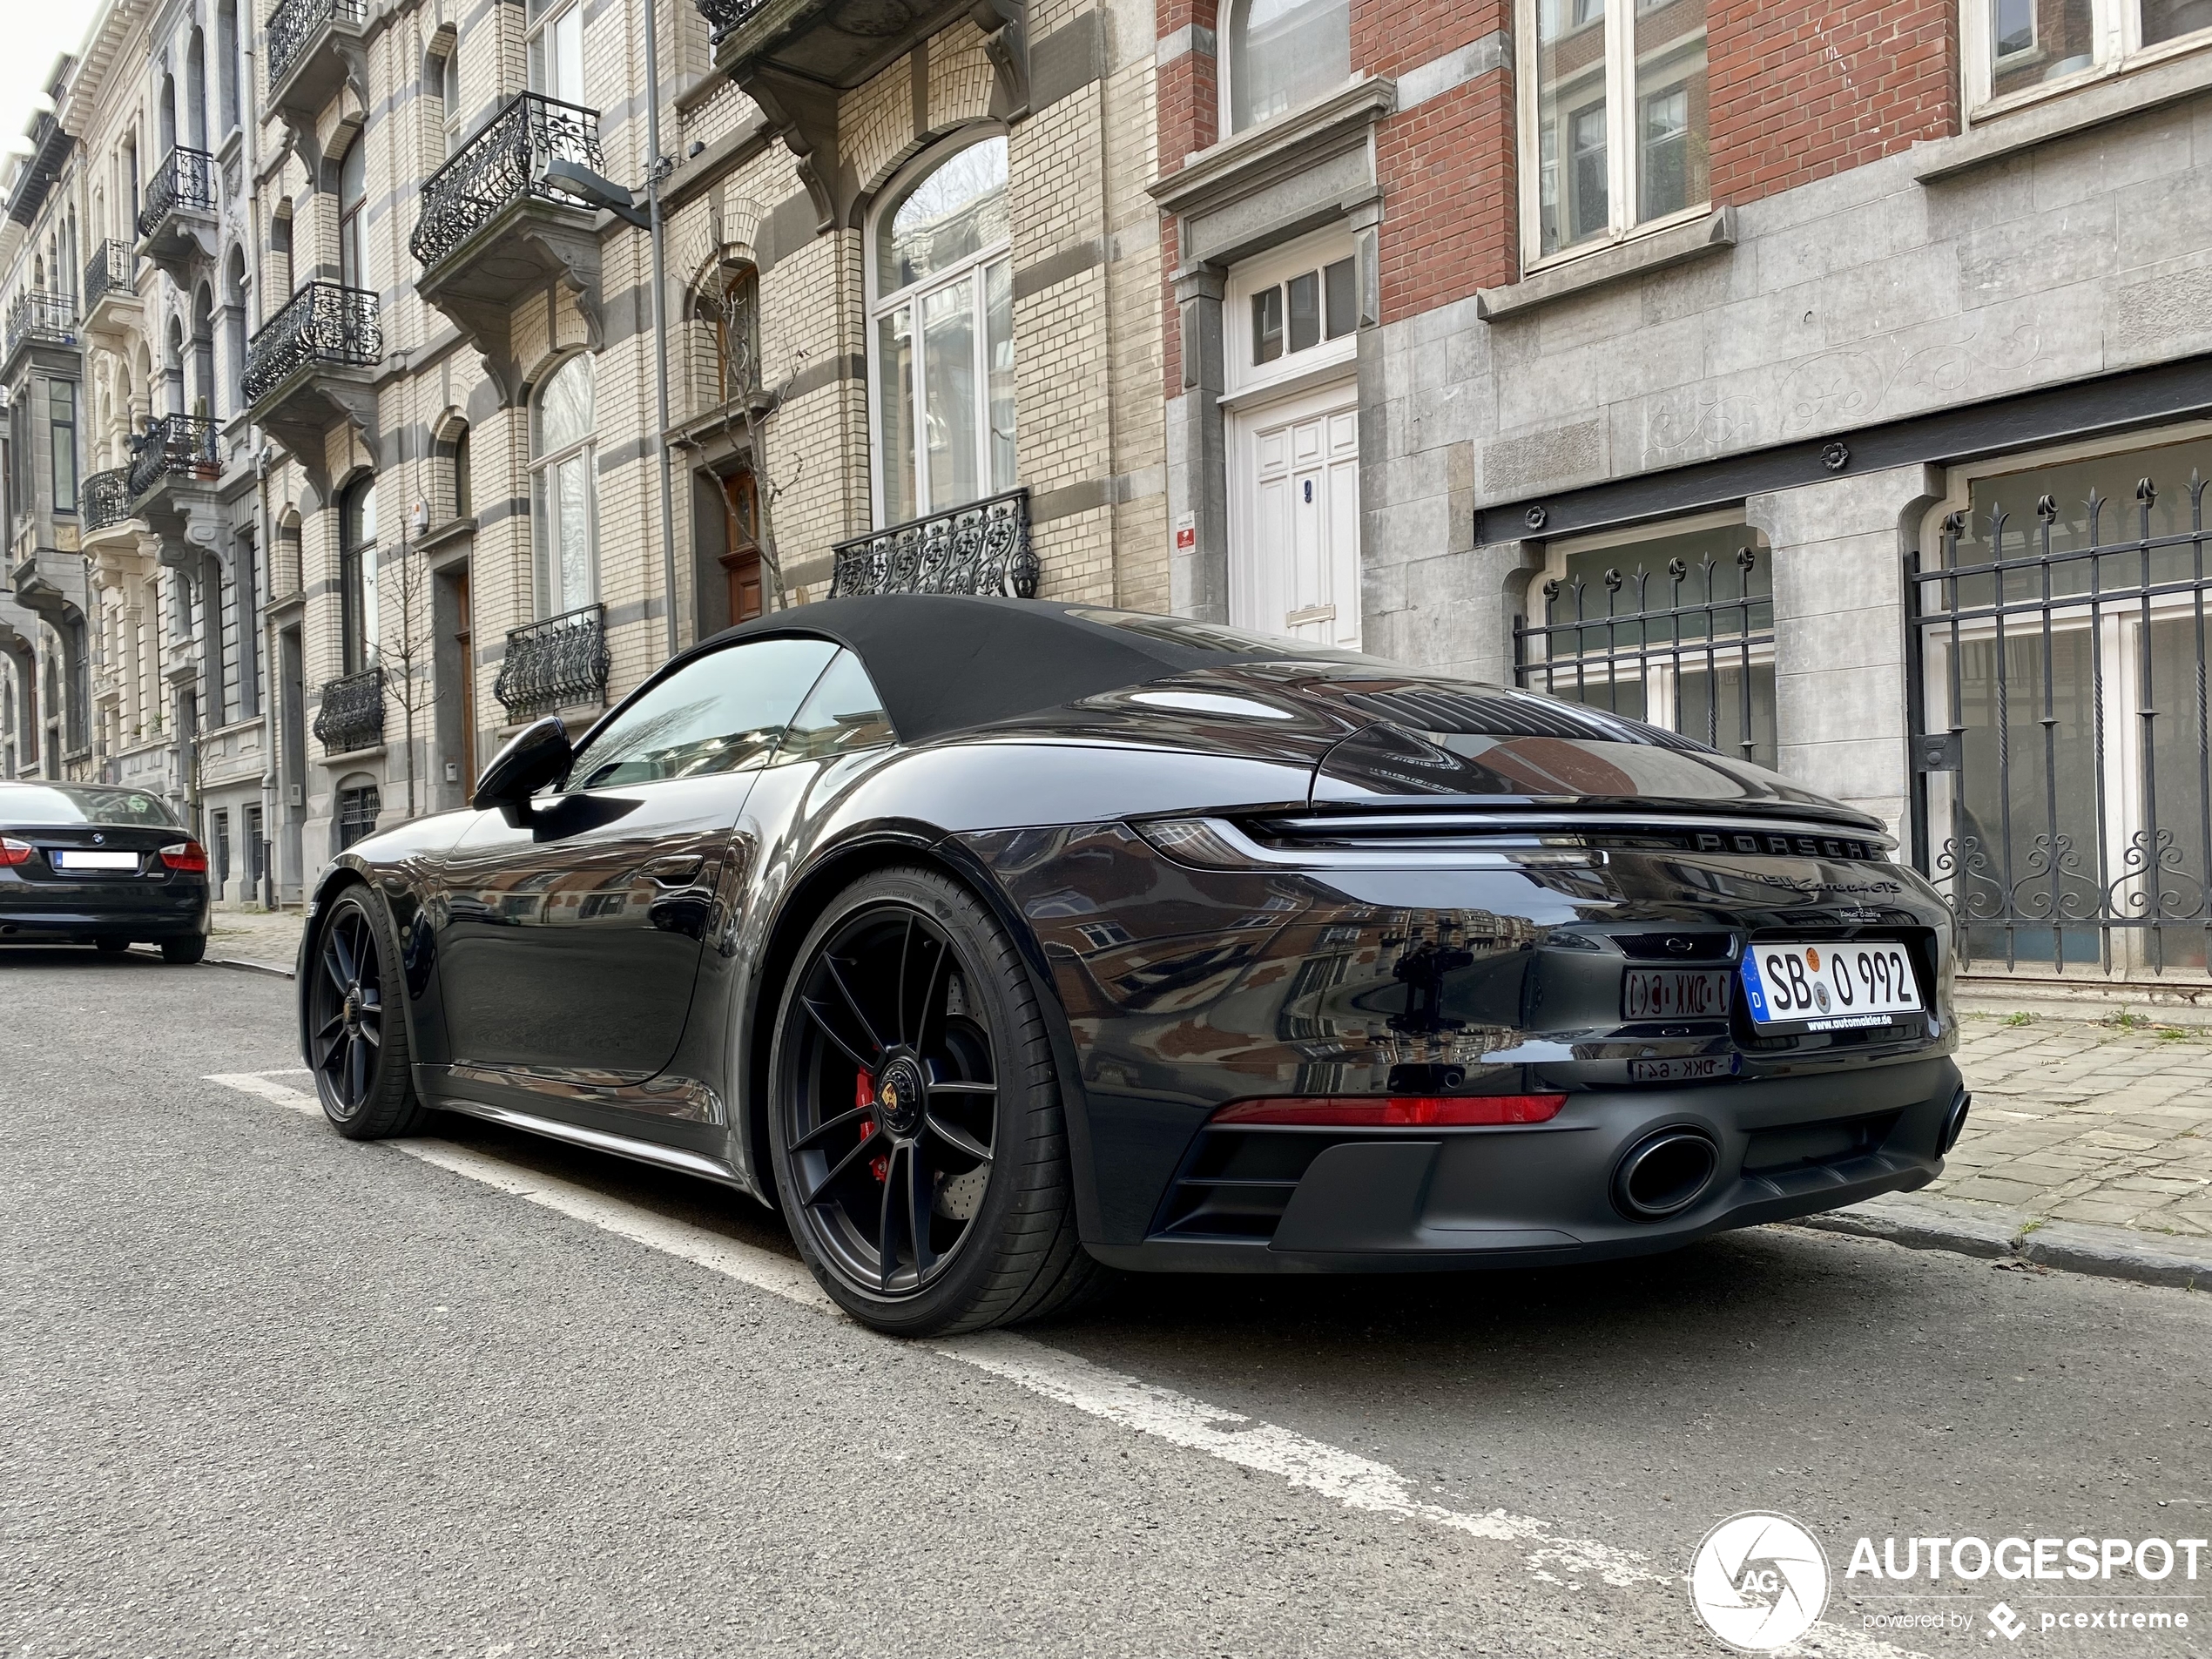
[[1725, 425]]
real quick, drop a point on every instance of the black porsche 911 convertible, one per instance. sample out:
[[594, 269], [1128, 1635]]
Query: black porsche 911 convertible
[[1000, 943]]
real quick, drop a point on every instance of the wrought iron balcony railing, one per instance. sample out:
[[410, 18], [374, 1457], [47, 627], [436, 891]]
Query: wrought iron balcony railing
[[322, 323], [352, 716], [185, 179], [176, 446], [503, 164], [294, 25], [726, 15], [105, 499], [553, 663], [981, 547], [38, 314], [113, 269]]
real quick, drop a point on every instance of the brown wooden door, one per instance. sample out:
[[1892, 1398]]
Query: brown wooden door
[[741, 564]]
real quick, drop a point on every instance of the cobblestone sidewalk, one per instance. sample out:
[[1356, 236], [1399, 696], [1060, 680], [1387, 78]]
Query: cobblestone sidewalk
[[2107, 1121], [265, 938]]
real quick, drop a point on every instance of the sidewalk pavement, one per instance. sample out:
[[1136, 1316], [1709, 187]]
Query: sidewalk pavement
[[2089, 1146]]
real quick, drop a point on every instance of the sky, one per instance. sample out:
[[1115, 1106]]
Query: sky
[[36, 32]]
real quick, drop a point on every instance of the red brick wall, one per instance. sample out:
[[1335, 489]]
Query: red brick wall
[[1805, 90]]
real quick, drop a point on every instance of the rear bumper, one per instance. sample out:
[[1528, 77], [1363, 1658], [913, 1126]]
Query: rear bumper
[[1522, 1197], [169, 913]]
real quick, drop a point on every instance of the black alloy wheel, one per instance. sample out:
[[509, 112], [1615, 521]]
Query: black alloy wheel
[[919, 1149], [356, 1034]]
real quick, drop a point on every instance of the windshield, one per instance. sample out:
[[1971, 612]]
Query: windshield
[[68, 803]]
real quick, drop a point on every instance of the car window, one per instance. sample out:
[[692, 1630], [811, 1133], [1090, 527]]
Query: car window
[[842, 713], [42, 803], [724, 712]]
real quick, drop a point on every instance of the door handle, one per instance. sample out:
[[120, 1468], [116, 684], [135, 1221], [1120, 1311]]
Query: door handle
[[677, 870]]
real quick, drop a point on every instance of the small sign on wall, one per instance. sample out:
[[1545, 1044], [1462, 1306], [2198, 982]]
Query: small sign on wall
[[1186, 533]]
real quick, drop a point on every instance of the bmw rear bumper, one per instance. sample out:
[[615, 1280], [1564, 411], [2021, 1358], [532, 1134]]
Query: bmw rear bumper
[[168, 914], [1411, 1200]]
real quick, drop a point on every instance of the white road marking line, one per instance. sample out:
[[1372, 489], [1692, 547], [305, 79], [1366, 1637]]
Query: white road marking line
[[1356, 1482]]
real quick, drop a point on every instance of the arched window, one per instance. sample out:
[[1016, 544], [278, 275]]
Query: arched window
[[443, 74], [561, 489], [1282, 53], [357, 566], [353, 191], [943, 362], [234, 327], [226, 63], [196, 85]]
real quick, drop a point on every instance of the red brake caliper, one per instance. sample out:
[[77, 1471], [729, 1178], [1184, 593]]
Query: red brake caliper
[[864, 1097]]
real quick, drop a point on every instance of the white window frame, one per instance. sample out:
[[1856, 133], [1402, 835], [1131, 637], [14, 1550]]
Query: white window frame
[[1327, 360], [545, 556], [1624, 141], [1226, 67], [540, 30], [969, 270], [2116, 28]]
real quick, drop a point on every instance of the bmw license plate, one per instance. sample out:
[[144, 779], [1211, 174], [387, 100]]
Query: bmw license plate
[[1826, 987], [96, 861]]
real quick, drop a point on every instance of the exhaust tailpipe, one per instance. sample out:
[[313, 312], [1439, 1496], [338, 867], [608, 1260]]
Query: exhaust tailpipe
[[1954, 1124], [1665, 1173]]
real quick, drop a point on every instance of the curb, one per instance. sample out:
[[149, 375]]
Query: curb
[[244, 967], [1992, 1232]]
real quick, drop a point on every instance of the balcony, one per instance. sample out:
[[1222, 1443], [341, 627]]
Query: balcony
[[793, 57], [352, 716], [111, 288], [309, 366], [104, 500], [492, 228], [176, 225], [174, 464], [313, 45], [983, 548], [555, 663], [39, 318]]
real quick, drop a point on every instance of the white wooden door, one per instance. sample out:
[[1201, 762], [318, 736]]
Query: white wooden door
[[1294, 528]]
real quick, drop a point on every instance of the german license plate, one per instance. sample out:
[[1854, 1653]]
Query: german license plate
[[1828, 987], [96, 861], [1674, 994], [1684, 1068]]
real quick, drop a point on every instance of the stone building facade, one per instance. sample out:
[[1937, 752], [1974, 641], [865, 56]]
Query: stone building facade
[[1826, 381]]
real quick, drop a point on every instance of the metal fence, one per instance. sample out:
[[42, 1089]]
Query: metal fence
[[176, 446], [185, 179], [38, 315], [724, 16], [293, 26], [105, 499], [1688, 646], [352, 715], [554, 663], [322, 323], [503, 164], [2063, 781], [113, 269], [981, 547]]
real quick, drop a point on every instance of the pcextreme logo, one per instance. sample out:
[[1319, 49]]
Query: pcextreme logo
[[1759, 1581]]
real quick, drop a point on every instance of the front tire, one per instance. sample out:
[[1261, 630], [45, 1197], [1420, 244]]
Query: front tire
[[357, 1029], [914, 1121]]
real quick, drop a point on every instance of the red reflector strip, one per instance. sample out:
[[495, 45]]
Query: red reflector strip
[[1396, 1111], [185, 856], [14, 851]]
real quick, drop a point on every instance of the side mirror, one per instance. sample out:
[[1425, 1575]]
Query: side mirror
[[535, 756]]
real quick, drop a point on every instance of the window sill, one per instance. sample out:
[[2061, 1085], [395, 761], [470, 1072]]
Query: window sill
[[353, 757], [1999, 137], [1673, 245], [452, 531]]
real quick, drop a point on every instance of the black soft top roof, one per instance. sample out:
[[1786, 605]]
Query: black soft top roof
[[947, 663]]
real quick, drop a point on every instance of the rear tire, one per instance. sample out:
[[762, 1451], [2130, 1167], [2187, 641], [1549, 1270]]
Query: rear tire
[[356, 1023], [111, 947], [185, 951], [909, 1026]]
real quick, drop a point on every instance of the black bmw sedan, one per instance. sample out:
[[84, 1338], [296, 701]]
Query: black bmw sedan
[[999, 944], [93, 865]]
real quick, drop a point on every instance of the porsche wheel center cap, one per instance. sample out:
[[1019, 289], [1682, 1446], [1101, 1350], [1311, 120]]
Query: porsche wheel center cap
[[898, 1095]]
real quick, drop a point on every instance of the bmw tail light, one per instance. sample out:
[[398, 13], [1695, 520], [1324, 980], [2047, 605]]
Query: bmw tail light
[[189, 856], [1396, 1111], [14, 851]]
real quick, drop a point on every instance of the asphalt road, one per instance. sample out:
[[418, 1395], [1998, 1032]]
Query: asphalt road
[[263, 1391]]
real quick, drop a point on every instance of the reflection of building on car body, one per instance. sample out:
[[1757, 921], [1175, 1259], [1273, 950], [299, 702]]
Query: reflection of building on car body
[[998, 942]]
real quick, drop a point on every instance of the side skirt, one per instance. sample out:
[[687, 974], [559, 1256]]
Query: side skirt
[[623, 1146]]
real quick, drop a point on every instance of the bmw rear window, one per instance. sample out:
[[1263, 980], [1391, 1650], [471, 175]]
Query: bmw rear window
[[58, 804]]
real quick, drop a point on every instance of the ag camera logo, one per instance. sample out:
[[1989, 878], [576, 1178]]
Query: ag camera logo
[[1759, 1582]]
